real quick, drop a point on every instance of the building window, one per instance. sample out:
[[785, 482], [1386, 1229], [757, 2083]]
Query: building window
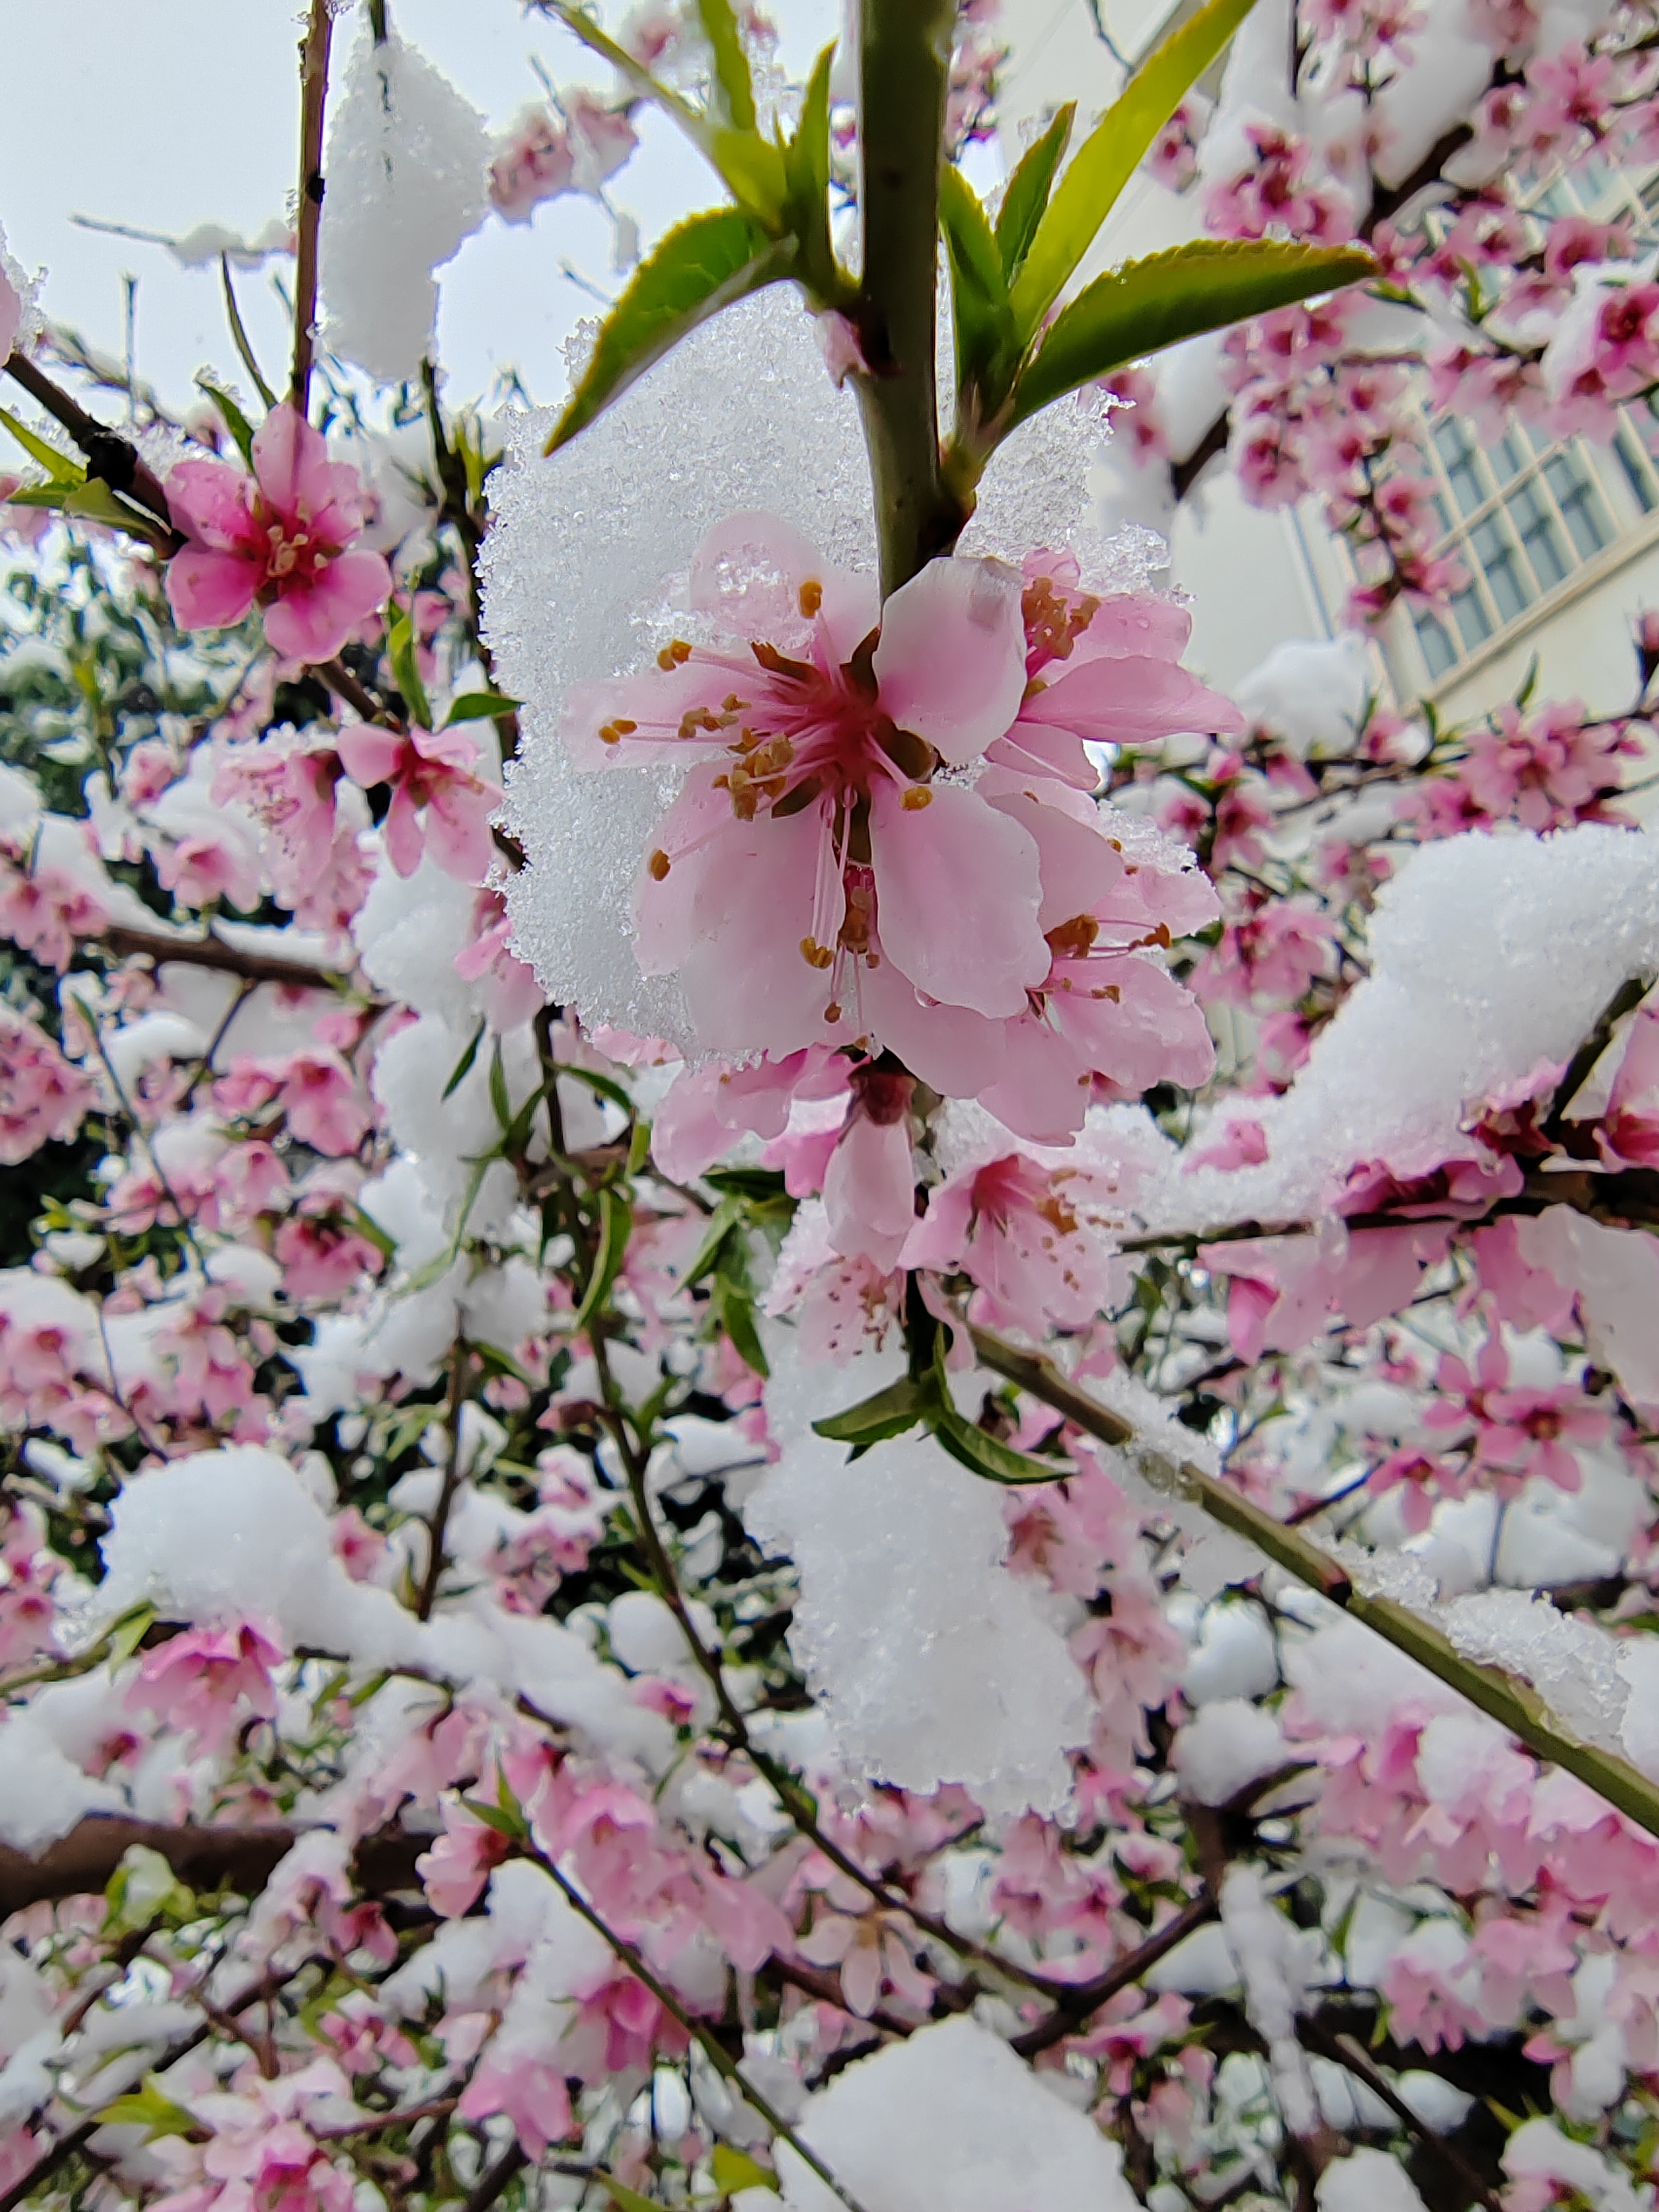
[[1522, 515]]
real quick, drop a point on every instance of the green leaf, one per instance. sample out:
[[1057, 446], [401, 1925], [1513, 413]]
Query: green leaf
[[806, 172], [500, 1099], [734, 2169], [760, 1186], [475, 706], [1028, 189], [400, 652], [979, 293], [129, 1632], [603, 1086], [702, 266], [630, 2199], [750, 166], [889, 1413], [59, 466], [987, 1455], [510, 1824], [1150, 304], [462, 1066], [616, 1225], [93, 502], [1110, 154], [733, 91], [721, 1221], [150, 2108], [52, 497], [737, 1317], [231, 414]]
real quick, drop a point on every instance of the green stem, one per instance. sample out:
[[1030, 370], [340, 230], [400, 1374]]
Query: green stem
[[905, 73], [1515, 1705]]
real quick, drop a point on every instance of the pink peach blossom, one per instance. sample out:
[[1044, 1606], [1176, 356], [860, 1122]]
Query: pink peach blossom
[[281, 539]]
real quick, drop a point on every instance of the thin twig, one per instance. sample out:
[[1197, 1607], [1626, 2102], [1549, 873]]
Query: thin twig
[[459, 1360], [114, 460], [313, 95], [710, 2045]]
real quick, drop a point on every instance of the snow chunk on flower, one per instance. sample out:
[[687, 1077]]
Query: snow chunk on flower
[[952, 2117]]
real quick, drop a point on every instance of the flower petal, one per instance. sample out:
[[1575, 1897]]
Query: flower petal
[[957, 891], [290, 459], [209, 589], [208, 501], [952, 659], [313, 621]]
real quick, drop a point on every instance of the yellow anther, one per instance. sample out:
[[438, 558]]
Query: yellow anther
[[811, 598], [916, 798]]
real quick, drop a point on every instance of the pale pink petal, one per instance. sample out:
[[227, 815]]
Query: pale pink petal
[[291, 461], [747, 983], [313, 621], [209, 590], [656, 701], [1128, 700], [370, 755], [940, 1237], [1079, 866], [11, 315], [1135, 623], [869, 1191], [748, 573], [208, 500], [951, 660], [956, 898], [1046, 1086], [401, 832], [457, 830], [952, 1048]]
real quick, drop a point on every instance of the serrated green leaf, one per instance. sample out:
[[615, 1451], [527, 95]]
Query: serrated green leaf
[[734, 2169], [702, 266], [1028, 189], [1110, 154], [400, 652], [721, 1221], [462, 1066], [616, 1225], [890, 1412], [476, 705], [231, 415], [733, 91], [1147, 305], [983, 322], [59, 466]]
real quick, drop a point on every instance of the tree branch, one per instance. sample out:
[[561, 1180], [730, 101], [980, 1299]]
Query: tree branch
[[313, 93], [1517, 1706], [81, 1864], [210, 952], [112, 458]]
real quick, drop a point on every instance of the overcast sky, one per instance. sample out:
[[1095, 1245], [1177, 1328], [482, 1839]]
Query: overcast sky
[[162, 115]]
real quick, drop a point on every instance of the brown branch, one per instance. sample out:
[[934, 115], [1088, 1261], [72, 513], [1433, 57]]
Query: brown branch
[[313, 93], [1346, 2053], [459, 1360], [111, 458], [1074, 2008], [81, 1864], [210, 952]]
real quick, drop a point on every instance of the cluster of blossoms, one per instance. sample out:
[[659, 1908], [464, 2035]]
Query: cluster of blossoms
[[584, 1609], [1471, 150]]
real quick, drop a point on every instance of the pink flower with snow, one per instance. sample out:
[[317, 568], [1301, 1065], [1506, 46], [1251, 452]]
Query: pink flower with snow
[[43, 1098], [869, 1187], [284, 539], [1030, 1235], [440, 805], [805, 886], [459, 1864], [45, 911], [207, 1681], [527, 2089]]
